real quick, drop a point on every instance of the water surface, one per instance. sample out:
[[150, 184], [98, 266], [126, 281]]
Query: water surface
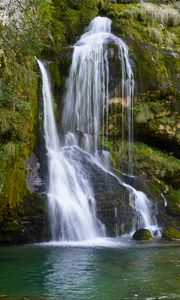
[[134, 271]]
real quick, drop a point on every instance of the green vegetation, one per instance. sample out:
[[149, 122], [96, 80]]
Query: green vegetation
[[171, 233], [142, 235], [153, 23], [173, 207], [164, 14], [76, 15], [28, 29], [149, 162], [160, 170], [154, 164], [152, 33]]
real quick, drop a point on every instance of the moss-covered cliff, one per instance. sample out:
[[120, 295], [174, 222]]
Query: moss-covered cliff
[[43, 29], [29, 29], [22, 37], [151, 31]]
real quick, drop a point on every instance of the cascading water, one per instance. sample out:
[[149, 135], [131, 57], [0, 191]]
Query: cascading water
[[86, 100], [85, 118], [71, 199], [86, 103]]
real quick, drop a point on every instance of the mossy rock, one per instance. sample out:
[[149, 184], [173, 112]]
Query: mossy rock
[[161, 169], [171, 233], [173, 207], [28, 223], [146, 22], [142, 235]]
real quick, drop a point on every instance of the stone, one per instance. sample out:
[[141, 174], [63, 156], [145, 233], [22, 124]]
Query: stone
[[142, 235], [171, 233], [112, 198], [32, 178]]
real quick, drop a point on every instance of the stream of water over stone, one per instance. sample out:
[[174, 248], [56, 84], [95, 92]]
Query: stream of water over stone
[[85, 120]]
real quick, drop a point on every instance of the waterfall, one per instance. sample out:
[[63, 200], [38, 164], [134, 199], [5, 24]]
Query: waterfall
[[86, 101], [71, 200], [85, 121]]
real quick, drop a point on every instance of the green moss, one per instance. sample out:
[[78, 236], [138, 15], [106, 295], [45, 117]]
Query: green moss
[[13, 174], [171, 233], [142, 235], [158, 164], [149, 162], [55, 71], [143, 113], [157, 105], [47, 27], [18, 134], [155, 24], [173, 207], [153, 70], [159, 118], [75, 15]]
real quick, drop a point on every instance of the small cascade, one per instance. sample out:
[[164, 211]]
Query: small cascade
[[165, 200], [116, 216], [143, 212], [72, 204], [85, 119]]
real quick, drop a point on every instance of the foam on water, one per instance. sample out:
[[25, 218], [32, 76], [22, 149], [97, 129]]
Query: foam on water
[[96, 242]]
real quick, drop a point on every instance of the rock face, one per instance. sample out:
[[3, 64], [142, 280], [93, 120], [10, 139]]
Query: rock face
[[23, 218], [155, 64], [142, 235], [156, 69], [28, 224], [112, 197], [33, 180]]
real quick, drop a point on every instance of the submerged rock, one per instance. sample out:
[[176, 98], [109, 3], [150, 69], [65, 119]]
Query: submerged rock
[[142, 235]]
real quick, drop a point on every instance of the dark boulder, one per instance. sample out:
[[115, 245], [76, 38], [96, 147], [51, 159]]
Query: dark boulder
[[142, 235]]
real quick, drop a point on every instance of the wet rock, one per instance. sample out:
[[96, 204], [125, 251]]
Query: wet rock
[[142, 235], [32, 179], [171, 233], [112, 198], [27, 225]]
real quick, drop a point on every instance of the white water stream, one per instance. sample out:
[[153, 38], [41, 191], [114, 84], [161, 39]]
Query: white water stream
[[86, 101], [72, 203], [71, 200]]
